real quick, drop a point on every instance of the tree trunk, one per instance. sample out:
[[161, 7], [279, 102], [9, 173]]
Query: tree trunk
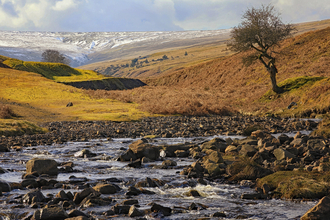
[[272, 72]]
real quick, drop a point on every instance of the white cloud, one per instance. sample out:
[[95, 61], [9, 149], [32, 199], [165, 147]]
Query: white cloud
[[64, 5]]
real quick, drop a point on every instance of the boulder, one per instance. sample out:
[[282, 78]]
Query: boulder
[[33, 196], [169, 163], [42, 166], [53, 213], [248, 150], [105, 188], [142, 149], [4, 186], [170, 150], [134, 212], [166, 211], [215, 144], [249, 140], [80, 196], [213, 169], [260, 134], [282, 154], [85, 153], [320, 211], [214, 156], [231, 150], [316, 144]]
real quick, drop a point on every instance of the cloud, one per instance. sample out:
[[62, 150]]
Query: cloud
[[64, 5], [145, 15]]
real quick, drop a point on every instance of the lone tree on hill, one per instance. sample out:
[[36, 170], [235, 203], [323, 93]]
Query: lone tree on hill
[[261, 30], [53, 56]]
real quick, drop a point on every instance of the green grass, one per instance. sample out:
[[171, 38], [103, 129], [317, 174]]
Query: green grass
[[56, 71], [10, 127]]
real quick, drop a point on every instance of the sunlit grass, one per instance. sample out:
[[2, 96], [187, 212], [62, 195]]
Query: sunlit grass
[[50, 98]]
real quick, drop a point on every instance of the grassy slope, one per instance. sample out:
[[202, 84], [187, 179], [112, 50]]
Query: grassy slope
[[55, 71], [197, 54], [38, 99], [225, 82]]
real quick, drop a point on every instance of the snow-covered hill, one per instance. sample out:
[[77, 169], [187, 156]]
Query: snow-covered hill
[[84, 48]]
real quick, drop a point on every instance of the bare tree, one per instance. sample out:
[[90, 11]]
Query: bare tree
[[261, 30], [53, 56]]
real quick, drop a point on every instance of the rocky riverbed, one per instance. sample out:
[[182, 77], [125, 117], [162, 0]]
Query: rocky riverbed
[[60, 132], [183, 168]]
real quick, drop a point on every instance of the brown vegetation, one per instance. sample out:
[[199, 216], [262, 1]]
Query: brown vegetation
[[6, 112], [225, 83]]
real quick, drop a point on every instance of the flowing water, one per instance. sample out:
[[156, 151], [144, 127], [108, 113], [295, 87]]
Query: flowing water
[[215, 196]]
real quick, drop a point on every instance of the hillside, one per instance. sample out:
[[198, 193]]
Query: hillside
[[149, 64], [225, 84], [34, 96]]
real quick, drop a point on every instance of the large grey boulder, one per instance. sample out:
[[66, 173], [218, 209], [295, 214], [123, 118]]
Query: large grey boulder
[[42, 166]]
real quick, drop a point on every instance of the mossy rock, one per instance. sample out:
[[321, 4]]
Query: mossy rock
[[297, 184]]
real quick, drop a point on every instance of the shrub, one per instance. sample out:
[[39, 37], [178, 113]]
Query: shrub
[[6, 112]]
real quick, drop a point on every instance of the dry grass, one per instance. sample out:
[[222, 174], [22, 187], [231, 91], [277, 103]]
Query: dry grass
[[225, 84]]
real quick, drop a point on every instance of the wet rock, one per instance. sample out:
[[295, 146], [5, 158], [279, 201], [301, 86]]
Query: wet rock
[[219, 215], [253, 196], [93, 200], [78, 218], [62, 195], [105, 188], [76, 213], [148, 182], [213, 169], [53, 213], [31, 183], [215, 144], [171, 149], [193, 193], [249, 140], [196, 206], [284, 138], [136, 164], [42, 166], [85, 153], [166, 211], [181, 153], [33, 196], [120, 209], [169, 163], [83, 194], [4, 186], [320, 211], [133, 191], [130, 202], [134, 212]]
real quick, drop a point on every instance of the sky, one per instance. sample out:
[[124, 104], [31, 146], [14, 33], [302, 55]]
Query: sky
[[145, 15]]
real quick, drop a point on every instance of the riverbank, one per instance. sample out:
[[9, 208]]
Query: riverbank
[[172, 126]]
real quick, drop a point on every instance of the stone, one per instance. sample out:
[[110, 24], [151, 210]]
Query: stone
[[62, 195], [282, 154], [33, 196], [320, 211], [42, 166], [80, 196], [248, 150], [85, 153], [215, 144], [120, 209], [214, 156], [52, 213], [76, 213], [253, 196], [169, 163], [4, 186], [166, 211], [169, 150], [142, 149], [105, 188], [219, 215], [249, 140], [283, 138], [231, 150], [213, 169], [134, 212], [181, 153], [193, 193], [78, 218], [136, 164]]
